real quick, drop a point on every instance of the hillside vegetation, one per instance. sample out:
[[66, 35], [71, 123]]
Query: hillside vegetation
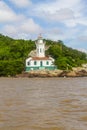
[[65, 57], [14, 52]]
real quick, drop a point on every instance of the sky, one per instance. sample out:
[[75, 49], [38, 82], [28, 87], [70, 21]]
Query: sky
[[64, 20]]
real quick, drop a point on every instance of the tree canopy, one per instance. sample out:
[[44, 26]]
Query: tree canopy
[[65, 57]]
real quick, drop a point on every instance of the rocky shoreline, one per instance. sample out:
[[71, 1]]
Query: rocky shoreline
[[75, 72]]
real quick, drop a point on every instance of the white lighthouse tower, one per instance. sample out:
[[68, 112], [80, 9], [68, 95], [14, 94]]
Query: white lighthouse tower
[[40, 47]]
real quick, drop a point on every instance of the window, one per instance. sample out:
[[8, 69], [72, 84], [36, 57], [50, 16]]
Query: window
[[28, 63], [47, 63], [40, 50], [35, 62]]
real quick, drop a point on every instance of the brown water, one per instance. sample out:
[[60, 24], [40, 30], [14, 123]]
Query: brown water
[[43, 104]]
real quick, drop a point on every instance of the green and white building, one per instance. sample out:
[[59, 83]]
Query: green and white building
[[40, 61]]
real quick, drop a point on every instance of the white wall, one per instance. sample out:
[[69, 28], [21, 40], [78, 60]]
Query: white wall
[[40, 48], [38, 63]]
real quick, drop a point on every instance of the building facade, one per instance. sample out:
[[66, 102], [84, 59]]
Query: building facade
[[40, 61]]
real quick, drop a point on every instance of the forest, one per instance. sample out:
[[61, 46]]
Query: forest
[[13, 53]]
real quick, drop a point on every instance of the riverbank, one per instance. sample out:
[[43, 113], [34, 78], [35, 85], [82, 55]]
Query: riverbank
[[75, 72]]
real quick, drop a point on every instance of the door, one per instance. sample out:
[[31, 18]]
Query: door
[[41, 63]]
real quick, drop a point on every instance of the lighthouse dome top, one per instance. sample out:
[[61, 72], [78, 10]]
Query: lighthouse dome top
[[40, 40], [40, 37]]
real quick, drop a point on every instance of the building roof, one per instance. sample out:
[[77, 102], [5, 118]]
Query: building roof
[[41, 58]]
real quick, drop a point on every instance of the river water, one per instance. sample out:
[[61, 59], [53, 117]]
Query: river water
[[43, 103]]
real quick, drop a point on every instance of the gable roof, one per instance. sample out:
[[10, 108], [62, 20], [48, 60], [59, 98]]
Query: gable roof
[[41, 58]]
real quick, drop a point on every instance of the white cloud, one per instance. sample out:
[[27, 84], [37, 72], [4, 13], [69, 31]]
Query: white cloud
[[83, 50], [70, 23], [21, 3], [59, 19], [7, 15], [67, 12], [82, 21], [83, 38], [23, 28], [16, 24], [53, 33], [76, 21], [66, 35], [58, 15], [30, 26], [10, 30]]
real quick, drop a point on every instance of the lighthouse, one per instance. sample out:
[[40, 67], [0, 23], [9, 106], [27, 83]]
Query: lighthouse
[[40, 61], [40, 47]]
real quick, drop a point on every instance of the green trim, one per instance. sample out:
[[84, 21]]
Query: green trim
[[41, 68]]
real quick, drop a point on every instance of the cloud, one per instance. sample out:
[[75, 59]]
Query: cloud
[[64, 11], [16, 24], [53, 33], [58, 15], [82, 50], [23, 28], [29, 26], [7, 14], [21, 3], [11, 30], [56, 19], [82, 21], [83, 38]]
